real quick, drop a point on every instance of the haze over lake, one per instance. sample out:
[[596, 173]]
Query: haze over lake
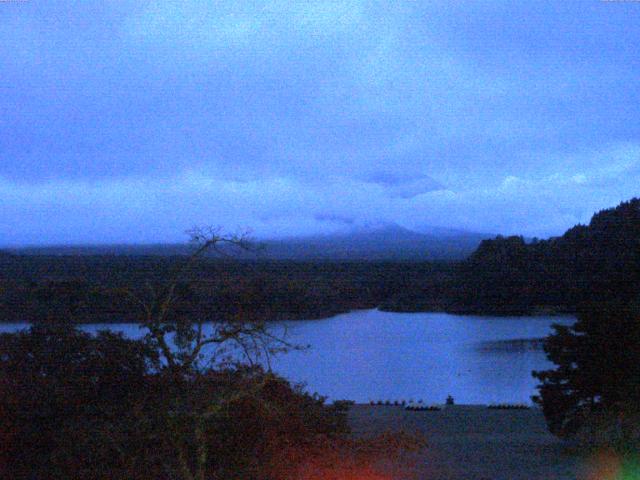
[[372, 355]]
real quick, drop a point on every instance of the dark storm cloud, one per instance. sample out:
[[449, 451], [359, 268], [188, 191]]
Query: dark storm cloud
[[133, 120]]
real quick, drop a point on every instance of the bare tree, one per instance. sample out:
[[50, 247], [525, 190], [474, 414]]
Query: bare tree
[[182, 340]]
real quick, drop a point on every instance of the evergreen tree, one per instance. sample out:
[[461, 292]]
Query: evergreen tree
[[597, 369]]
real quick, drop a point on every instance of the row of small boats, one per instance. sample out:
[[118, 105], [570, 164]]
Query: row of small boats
[[420, 406]]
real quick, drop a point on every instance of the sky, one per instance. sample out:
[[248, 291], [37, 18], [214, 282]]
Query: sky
[[133, 121]]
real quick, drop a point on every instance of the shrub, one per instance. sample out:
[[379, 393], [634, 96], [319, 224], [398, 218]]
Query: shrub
[[74, 405], [65, 402]]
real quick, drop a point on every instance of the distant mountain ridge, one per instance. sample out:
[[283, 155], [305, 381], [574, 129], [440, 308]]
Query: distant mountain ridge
[[380, 242], [384, 242]]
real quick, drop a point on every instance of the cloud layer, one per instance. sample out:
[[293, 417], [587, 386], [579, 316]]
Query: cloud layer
[[132, 121]]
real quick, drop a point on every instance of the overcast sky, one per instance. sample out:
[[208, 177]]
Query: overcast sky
[[133, 121]]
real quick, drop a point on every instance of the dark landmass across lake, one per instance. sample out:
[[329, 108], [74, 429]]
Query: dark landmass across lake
[[294, 278], [503, 276], [93, 289]]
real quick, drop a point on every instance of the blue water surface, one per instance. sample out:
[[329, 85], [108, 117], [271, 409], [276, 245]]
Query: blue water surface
[[373, 355]]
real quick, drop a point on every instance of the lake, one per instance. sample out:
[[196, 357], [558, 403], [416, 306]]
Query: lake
[[373, 355]]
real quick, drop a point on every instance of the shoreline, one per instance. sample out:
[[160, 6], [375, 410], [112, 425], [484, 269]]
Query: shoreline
[[330, 315]]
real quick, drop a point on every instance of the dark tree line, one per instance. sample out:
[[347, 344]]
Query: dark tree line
[[595, 262], [91, 288]]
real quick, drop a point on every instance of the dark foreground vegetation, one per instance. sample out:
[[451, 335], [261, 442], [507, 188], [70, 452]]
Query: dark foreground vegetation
[[104, 407], [593, 393]]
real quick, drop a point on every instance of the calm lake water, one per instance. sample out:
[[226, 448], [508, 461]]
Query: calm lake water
[[372, 355]]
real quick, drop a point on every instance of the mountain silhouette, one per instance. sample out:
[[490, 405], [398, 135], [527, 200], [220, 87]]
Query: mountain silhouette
[[380, 242], [372, 242]]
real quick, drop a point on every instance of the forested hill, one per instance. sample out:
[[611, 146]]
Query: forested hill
[[588, 263]]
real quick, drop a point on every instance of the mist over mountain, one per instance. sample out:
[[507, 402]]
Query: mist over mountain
[[380, 242], [371, 242]]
